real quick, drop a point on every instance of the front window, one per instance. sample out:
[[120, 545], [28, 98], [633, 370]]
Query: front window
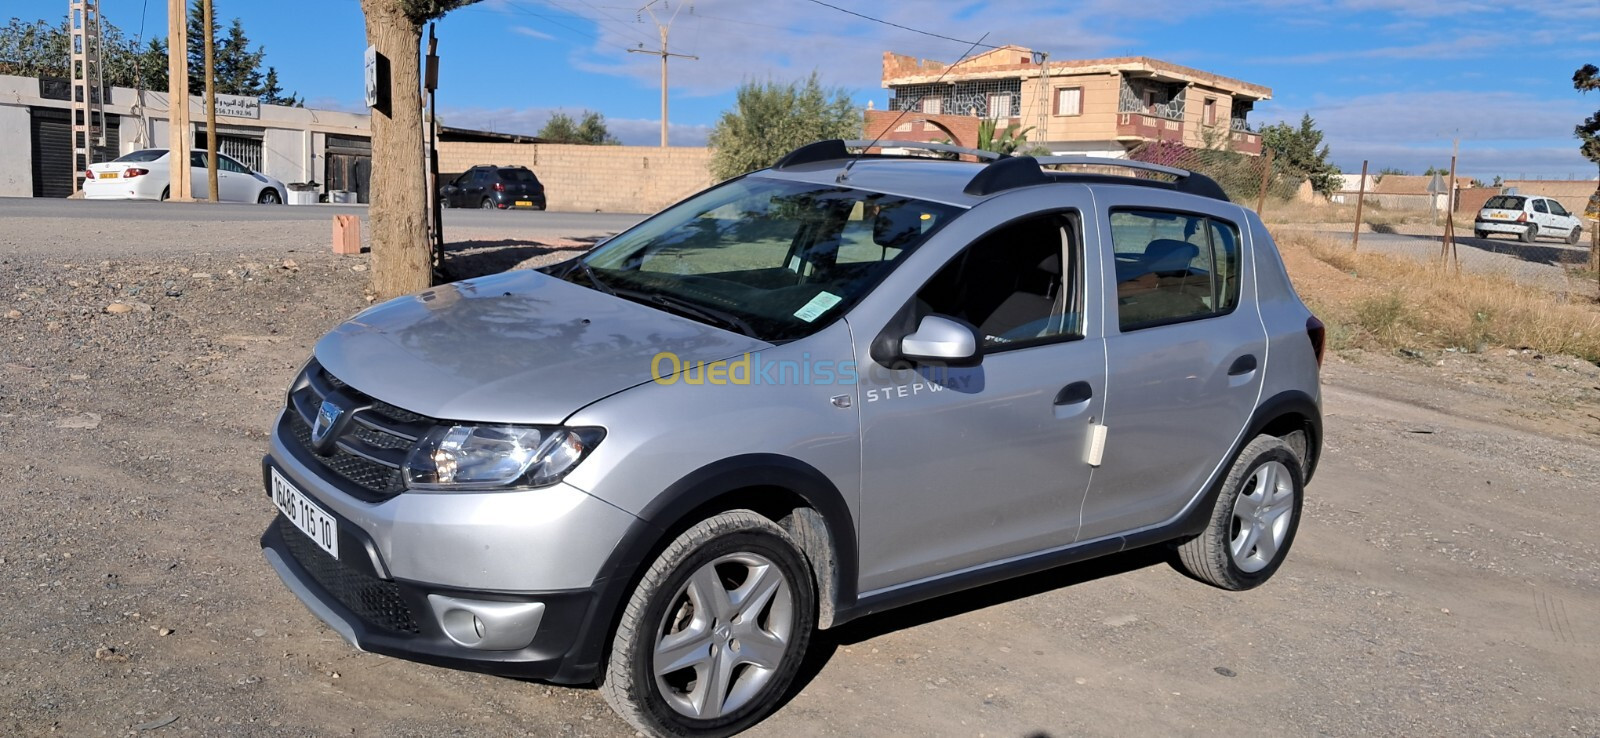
[[769, 258]]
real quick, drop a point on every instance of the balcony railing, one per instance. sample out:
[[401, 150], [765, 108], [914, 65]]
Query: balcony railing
[[1131, 102], [1239, 124]]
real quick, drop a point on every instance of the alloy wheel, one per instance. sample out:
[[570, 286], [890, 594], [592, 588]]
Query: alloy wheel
[[1261, 516], [723, 636]]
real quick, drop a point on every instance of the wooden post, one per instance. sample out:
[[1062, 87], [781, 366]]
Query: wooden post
[[178, 184], [211, 105], [1447, 247], [1361, 196], [1266, 174]]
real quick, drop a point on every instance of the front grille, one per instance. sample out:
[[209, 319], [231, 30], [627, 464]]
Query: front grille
[[376, 602], [373, 443]]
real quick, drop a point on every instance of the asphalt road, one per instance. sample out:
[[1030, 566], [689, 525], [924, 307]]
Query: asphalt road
[[1543, 263], [554, 223]]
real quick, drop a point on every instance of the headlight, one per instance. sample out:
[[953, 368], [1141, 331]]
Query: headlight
[[487, 457]]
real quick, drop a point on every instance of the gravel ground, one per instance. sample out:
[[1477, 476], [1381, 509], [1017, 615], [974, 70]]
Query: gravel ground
[[1445, 581]]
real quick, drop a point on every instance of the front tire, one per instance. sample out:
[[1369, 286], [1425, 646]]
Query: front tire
[[1530, 234], [1577, 233], [1253, 522], [713, 634], [269, 197]]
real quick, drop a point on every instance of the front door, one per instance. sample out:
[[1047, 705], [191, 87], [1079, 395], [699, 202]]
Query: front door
[[967, 466], [1187, 355]]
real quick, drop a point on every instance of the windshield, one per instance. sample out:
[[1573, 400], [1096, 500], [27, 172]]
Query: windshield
[[770, 258], [1504, 202], [143, 156]]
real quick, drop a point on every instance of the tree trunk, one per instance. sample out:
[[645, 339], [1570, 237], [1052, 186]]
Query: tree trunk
[[401, 261]]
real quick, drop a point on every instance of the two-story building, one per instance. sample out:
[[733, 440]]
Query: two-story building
[[1100, 107]]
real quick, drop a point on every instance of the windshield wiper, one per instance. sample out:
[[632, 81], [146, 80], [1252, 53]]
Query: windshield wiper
[[588, 271], [707, 314]]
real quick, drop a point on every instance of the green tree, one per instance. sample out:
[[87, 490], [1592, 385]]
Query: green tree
[[39, 49], [770, 119], [1585, 80], [1300, 150], [238, 66], [562, 128]]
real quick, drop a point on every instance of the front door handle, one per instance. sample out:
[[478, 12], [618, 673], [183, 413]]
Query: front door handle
[[1074, 393], [1242, 365]]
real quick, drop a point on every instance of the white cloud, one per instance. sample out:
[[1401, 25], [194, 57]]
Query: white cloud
[[532, 33], [1506, 133]]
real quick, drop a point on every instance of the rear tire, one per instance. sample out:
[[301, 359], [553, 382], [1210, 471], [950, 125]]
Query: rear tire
[[487, 204], [166, 192], [1481, 234], [1254, 521], [715, 631], [1532, 233], [1575, 235]]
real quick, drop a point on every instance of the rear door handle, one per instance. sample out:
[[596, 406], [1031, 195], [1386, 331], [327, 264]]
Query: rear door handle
[[1242, 365], [1074, 393]]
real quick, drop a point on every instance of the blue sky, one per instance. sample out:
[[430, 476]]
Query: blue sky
[[1388, 80]]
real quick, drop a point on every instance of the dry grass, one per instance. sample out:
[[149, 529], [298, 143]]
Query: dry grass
[[1278, 213], [1380, 302]]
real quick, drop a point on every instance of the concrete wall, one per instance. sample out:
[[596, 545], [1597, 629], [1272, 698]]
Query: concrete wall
[[16, 157], [617, 179]]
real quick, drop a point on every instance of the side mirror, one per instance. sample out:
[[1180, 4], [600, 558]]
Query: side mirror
[[942, 340]]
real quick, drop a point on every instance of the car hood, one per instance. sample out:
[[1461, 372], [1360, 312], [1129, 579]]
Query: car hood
[[519, 347]]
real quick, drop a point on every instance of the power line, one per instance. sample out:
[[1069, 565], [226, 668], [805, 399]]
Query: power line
[[624, 24], [847, 11]]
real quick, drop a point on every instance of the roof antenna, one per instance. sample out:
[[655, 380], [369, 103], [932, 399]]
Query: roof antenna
[[844, 175]]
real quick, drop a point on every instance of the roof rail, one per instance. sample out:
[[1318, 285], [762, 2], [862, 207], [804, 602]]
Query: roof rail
[[839, 149], [1026, 171]]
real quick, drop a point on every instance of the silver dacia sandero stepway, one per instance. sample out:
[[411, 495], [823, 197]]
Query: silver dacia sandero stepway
[[840, 385]]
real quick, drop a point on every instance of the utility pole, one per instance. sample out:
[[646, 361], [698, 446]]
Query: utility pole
[[1361, 198], [211, 105], [88, 84], [664, 28], [178, 185]]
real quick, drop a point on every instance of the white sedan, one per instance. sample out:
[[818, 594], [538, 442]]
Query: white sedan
[[144, 175]]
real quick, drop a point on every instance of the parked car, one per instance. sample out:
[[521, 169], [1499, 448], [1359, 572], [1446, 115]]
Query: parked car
[[837, 386], [1527, 216], [145, 175], [494, 188]]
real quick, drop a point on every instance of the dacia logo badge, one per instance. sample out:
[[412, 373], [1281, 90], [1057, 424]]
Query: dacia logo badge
[[327, 418]]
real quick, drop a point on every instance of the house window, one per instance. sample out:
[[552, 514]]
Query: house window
[[932, 105], [1069, 101], [1000, 105], [1211, 111]]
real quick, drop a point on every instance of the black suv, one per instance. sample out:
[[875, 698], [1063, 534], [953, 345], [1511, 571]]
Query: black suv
[[494, 188]]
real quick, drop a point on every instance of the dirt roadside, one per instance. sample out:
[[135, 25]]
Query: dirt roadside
[[1446, 579]]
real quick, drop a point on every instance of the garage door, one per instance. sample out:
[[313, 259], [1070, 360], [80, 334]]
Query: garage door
[[55, 172]]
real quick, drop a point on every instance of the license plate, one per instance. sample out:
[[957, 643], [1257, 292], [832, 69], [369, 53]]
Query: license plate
[[107, 175], [524, 203], [306, 515]]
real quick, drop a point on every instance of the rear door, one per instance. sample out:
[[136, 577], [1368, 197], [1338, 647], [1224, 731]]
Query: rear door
[[1186, 351]]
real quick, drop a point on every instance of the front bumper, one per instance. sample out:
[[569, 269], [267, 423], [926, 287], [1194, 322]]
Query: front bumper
[[1499, 226], [395, 618]]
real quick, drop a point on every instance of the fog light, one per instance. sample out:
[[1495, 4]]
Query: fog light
[[487, 625]]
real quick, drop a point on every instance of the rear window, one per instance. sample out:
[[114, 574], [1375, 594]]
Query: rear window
[[1505, 202], [143, 156], [517, 175]]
